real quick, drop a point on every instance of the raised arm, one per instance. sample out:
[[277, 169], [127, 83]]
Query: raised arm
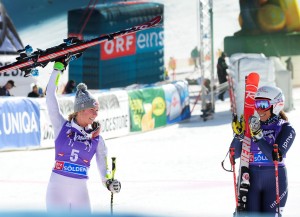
[[54, 112]]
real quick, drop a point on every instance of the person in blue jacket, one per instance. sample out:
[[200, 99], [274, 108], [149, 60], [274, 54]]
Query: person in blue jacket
[[268, 127]]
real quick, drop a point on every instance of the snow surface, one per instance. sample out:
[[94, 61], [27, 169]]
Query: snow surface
[[171, 171]]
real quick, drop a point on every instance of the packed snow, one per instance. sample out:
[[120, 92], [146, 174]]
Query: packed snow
[[171, 171]]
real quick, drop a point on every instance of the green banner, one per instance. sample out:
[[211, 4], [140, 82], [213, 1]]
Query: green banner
[[147, 109]]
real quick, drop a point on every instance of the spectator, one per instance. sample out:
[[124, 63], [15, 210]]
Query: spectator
[[222, 73], [166, 74], [34, 92], [41, 92], [70, 87], [172, 65], [289, 66], [195, 55], [4, 91]]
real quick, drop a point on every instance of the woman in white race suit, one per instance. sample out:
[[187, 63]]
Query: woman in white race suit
[[76, 143]]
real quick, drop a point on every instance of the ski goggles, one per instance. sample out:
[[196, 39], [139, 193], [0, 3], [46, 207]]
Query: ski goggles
[[263, 104]]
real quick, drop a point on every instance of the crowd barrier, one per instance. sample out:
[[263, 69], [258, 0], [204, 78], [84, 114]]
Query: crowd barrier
[[25, 123]]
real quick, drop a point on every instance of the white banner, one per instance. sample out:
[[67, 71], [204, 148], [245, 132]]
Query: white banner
[[114, 113], [23, 85]]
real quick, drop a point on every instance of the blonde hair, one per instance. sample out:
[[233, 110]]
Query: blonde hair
[[72, 116]]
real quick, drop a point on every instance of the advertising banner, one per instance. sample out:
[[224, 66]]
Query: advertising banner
[[147, 109], [149, 40], [19, 122], [119, 47], [145, 41], [113, 114], [177, 101]]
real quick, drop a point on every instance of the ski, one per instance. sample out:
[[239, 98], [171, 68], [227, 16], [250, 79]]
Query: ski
[[251, 85], [72, 47], [231, 93]]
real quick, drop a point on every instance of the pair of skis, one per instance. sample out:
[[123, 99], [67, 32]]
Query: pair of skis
[[72, 47], [251, 85], [242, 185]]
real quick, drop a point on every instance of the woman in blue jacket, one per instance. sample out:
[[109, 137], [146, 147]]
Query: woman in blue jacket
[[268, 127]]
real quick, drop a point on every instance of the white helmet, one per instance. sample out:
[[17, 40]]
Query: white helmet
[[274, 94]]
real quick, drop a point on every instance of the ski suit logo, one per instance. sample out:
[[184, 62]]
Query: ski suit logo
[[71, 168]]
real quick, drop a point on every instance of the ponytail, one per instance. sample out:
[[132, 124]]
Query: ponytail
[[283, 115]]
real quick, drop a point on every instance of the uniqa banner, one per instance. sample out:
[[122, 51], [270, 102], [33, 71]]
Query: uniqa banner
[[19, 123], [147, 109]]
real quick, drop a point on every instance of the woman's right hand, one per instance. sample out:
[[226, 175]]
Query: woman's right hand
[[96, 129], [238, 126]]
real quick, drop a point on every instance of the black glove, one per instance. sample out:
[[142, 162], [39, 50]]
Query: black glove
[[95, 125], [95, 129], [113, 185]]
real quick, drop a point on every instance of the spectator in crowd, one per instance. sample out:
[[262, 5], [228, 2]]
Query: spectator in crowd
[[70, 87], [289, 66], [41, 92], [172, 66], [34, 92], [195, 55], [4, 91], [166, 74], [222, 73]]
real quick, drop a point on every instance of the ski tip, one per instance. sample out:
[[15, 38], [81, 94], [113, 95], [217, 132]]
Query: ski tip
[[254, 75], [156, 20]]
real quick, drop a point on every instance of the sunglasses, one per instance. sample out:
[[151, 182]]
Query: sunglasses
[[263, 104]]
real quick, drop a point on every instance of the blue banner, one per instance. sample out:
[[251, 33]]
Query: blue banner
[[19, 123], [150, 40]]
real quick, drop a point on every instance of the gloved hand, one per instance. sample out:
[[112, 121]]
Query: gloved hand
[[238, 126], [255, 130], [95, 129], [62, 63], [277, 155], [113, 185]]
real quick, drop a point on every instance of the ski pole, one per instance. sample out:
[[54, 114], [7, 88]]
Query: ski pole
[[275, 160], [113, 168], [198, 97], [232, 161]]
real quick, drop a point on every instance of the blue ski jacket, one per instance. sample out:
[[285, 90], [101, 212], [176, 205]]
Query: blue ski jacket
[[275, 131]]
